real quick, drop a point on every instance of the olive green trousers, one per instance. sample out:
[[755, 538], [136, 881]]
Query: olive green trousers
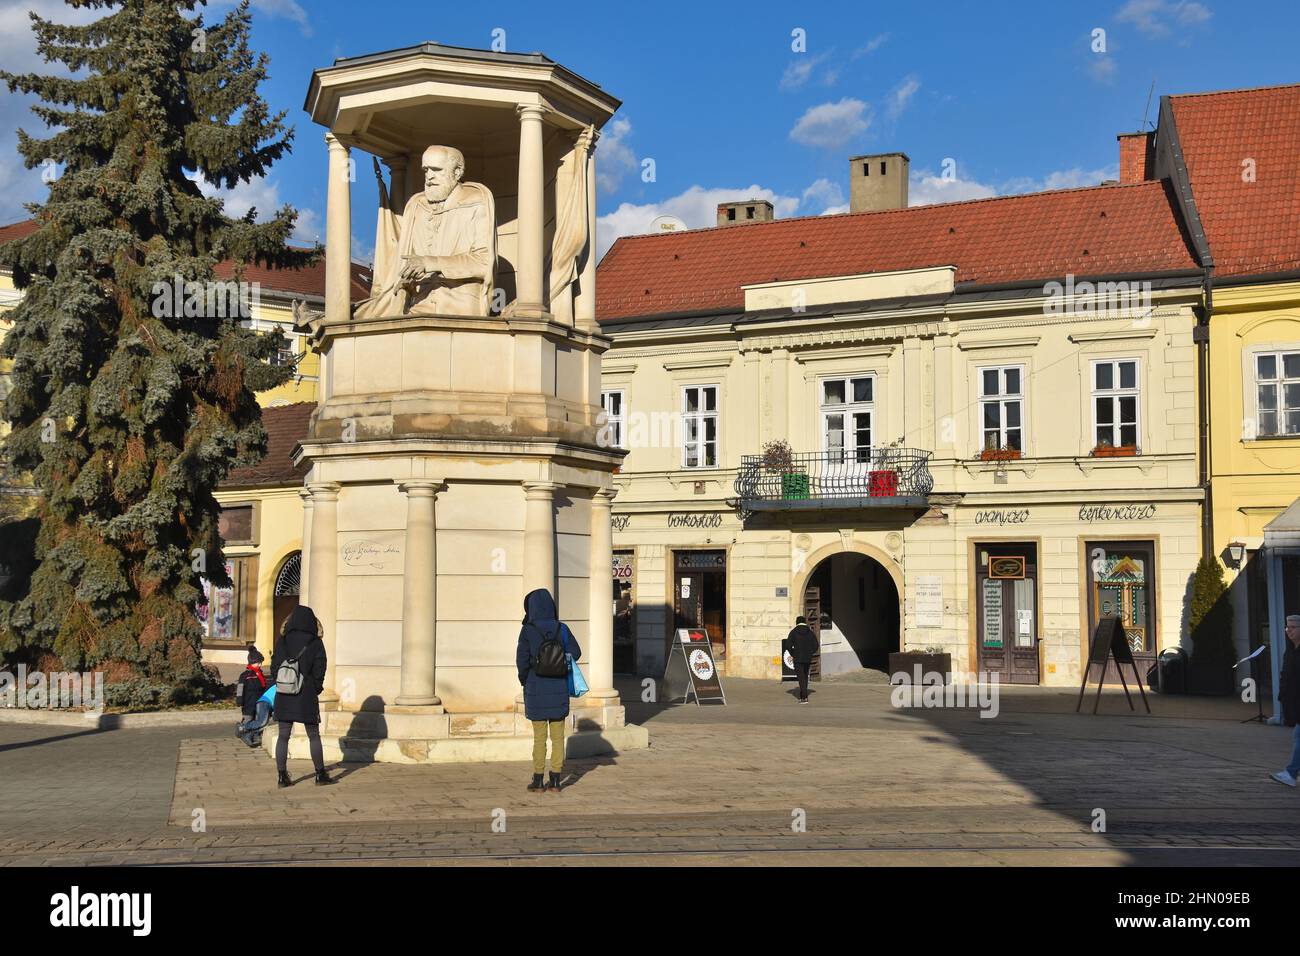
[[539, 745]]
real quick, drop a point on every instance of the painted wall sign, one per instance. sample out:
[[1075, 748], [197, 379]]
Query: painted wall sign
[[929, 600], [1007, 567], [1095, 513], [694, 520], [1000, 517], [620, 522]]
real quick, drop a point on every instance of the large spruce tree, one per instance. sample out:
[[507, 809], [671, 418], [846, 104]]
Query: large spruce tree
[[129, 418]]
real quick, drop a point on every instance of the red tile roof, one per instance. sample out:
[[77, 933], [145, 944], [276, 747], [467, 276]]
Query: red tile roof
[[306, 281], [1099, 230], [1252, 227], [285, 425]]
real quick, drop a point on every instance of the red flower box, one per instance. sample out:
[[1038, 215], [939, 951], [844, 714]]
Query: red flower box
[[882, 484]]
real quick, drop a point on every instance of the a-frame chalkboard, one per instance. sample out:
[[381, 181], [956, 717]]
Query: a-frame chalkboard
[[1108, 641]]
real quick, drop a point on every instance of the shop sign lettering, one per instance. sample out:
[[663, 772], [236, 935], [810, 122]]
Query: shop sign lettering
[[1095, 513], [999, 517], [695, 520]]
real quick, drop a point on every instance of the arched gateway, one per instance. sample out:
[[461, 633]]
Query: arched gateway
[[852, 598]]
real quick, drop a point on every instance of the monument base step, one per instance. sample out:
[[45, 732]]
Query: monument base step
[[475, 749]]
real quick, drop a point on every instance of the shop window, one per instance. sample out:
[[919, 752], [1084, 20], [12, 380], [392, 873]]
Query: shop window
[[847, 410], [228, 615], [612, 404], [700, 426], [1115, 396], [1277, 394], [1002, 408]]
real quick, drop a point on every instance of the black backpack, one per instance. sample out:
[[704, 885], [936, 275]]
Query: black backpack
[[551, 660]]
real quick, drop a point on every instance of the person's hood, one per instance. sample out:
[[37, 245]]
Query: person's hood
[[302, 618], [539, 606]]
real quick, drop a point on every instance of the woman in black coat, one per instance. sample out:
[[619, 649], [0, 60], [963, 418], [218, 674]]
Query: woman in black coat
[[546, 699], [300, 640]]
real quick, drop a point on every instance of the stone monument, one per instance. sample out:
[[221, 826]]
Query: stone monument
[[456, 456]]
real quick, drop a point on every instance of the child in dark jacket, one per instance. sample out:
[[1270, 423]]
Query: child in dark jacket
[[251, 686]]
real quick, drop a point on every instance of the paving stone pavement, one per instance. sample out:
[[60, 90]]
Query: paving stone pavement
[[718, 786]]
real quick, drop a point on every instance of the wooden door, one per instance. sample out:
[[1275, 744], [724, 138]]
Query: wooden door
[[1122, 584], [812, 610], [1006, 590]]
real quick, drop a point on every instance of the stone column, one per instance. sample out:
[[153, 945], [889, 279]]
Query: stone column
[[304, 564], [324, 595], [539, 537], [419, 596], [532, 213], [600, 615], [338, 234], [585, 305]]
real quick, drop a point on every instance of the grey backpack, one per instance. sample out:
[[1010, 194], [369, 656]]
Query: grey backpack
[[288, 679]]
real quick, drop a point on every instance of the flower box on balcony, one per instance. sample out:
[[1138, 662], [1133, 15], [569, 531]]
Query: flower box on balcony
[[794, 484], [1000, 454], [1114, 451], [882, 484]]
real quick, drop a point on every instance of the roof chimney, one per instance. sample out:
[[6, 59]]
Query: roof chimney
[[878, 181], [1136, 156], [748, 210]]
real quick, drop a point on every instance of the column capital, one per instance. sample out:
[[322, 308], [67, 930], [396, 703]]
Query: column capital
[[531, 111], [604, 497], [324, 490], [538, 490], [305, 494], [421, 487], [334, 143]]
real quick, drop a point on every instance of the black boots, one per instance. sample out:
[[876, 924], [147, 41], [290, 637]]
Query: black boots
[[283, 780], [537, 783], [555, 782], [323, 779]]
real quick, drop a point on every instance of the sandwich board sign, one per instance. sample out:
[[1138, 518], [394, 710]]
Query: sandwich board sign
[[691, 670], [1108, 642]]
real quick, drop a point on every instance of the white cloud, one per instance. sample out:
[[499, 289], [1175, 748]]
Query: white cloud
[[832, 125], [264, 196], [697, 207], [614, 158], [1159, 18], [902, 95], [282, 9], [800, 71], [825, 194], [1071, 178], [1103, 68], [872, 45], [924, 188]]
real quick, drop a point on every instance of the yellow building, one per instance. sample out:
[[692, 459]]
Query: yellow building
[[262, 523]]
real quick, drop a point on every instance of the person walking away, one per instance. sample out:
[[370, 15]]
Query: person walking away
[[249, 688], [298, 665], [544, 644], [803, 648], [1289, 695]]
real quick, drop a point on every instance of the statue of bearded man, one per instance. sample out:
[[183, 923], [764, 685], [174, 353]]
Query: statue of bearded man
[[446, 248]]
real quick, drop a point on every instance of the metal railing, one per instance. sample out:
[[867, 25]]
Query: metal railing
[[887, 474]]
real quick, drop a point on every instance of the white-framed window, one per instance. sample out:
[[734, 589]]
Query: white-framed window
[[611, 404], [1002, 407], [1277, 393], [1116, 398], [847, 408], [700, 426]]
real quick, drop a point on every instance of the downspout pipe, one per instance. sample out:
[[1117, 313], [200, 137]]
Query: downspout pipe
[[1201, 335]]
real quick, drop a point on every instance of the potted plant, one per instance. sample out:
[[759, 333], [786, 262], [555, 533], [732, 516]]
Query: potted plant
[[993, 451], [882, 480], [932, 660], [1209, 622], [1105, 449], [778, 457]]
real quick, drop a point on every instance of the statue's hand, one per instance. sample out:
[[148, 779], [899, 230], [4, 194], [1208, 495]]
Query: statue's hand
[[414, 268]]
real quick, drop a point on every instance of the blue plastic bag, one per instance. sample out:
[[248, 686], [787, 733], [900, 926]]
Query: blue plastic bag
[[577, 683]]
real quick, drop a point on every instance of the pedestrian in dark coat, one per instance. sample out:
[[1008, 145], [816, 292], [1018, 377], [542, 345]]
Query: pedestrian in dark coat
[[300, 639], [1288, 692], [546, 699], [803, 648]]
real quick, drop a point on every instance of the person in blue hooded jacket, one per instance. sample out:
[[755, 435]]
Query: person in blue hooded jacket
[[546, 699]]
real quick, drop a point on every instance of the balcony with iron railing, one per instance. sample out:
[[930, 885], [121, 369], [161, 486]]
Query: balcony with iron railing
[[885, 477]]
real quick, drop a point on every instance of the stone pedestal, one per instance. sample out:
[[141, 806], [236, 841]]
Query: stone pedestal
[[454, 456]]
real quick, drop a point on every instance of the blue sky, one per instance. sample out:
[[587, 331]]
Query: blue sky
[[716, 95]]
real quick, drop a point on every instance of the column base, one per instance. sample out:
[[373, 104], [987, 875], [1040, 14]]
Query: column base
[[416, 705]]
